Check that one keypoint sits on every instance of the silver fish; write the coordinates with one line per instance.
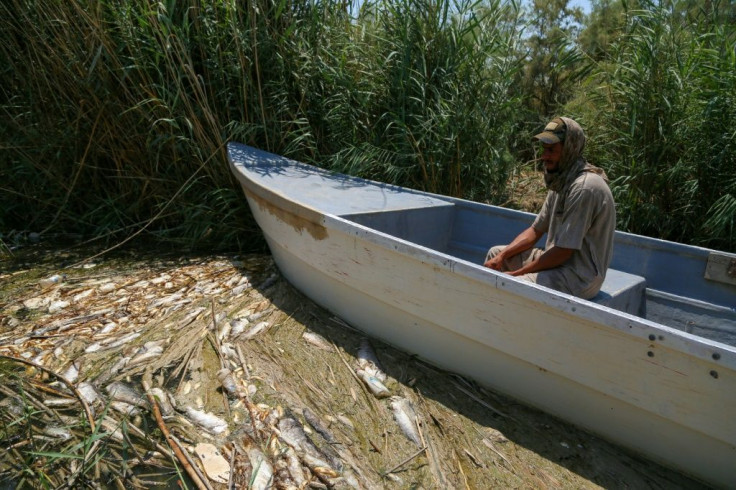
(208, 421)
(228, 381)
(60, 402)
(262, 476)
(223, 332)
(295, 468)
(314, 421)
(89, 392)
(258, 328)
(406, 418)
(125, 408)
(165, 402)
(255, 316)
(374, 384)
(121, 392)
(58, 433)
(292, 433)
(237, 326)
(368, 361)
(150, 350)
(317, 340)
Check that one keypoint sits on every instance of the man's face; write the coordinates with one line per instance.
(551, 155)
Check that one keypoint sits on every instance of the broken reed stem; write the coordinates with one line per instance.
(460, 467)
(192, 471)
(246, 395)
(484, 403)
(405, 461)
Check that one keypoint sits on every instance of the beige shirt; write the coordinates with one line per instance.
(586, 225)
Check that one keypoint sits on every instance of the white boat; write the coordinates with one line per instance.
(649, 363)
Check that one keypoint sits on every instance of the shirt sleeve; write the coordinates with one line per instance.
(541, 223)
(577, 218)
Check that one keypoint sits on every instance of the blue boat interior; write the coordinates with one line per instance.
(661, 281)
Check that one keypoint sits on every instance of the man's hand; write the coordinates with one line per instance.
(524, 241)
(495, 263)
(554, 257)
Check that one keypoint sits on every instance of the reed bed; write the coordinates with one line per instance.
(664, 123)
(116, 113)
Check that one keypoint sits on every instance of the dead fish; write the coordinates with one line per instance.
(208, 421)
(72, 372)
(107, 328)
(58, 433)
(191, 316)
(314, 421)
(229, 352)
(79, 297)
(149, 350)
(57, 306)
(113, 428)
(121, 392)
(262, 476)
(88, 392)
(237, 326)
(111, 343)
(240, 289)
(107, 288)
(345, 421)
(60, 402)
(160, 279)
(295, 468)
(223, 332)
(41, 358)
(374, 384)
(125, 408)
(257, 316)
(228, 381)
(167, 300)
(292, 433)
(368, 361)
(406, 418)
(165, 402)
(122, 362)
(257, 329)
(317, 340)
(37, 303)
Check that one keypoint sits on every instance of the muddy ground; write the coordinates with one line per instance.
(253, 385)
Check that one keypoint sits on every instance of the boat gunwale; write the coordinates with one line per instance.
(705, 349)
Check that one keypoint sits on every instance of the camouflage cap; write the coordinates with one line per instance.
(554, 132)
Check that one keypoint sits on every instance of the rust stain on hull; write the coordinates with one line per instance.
(308, 220)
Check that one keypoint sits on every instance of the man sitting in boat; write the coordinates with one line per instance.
(578, 216)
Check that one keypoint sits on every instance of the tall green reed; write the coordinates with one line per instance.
(663, 118)
(444, 107)
(118, 111)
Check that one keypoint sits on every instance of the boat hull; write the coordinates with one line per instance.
(600, 370)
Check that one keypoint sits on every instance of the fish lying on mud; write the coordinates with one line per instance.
(206, 420)
(368, 361)
(406, 417)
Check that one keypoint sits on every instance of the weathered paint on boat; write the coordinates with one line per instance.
(404, 266)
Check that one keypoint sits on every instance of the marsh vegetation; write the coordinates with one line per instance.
(115, 113)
